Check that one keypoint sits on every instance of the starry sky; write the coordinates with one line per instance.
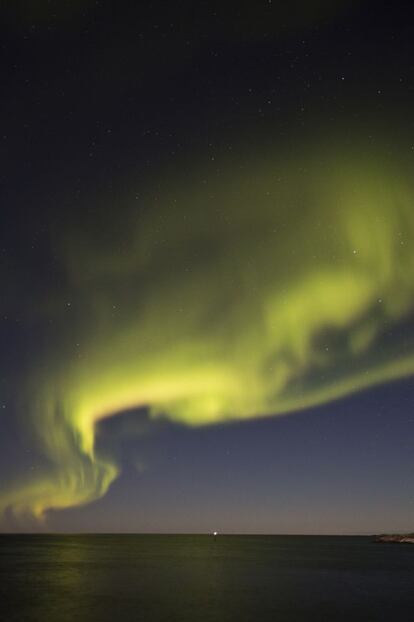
(207, 266)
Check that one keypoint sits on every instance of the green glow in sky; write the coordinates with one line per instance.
(256, 291)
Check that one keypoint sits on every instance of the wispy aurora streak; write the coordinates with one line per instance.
(266, 290)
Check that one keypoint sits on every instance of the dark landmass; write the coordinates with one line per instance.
(395, 538)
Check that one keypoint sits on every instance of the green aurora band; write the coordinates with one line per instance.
(260, 290)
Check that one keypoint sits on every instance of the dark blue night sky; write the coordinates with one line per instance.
(345, 467)
(206, 264)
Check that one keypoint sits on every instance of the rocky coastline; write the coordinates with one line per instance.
(407, 538)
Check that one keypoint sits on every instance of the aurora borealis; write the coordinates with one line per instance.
(219, 286)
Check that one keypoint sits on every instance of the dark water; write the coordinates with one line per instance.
(199, 578)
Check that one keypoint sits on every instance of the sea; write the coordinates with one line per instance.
(200, 578)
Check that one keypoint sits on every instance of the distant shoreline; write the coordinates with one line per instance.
(395, 538)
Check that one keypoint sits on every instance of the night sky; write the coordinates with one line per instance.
(207, 266)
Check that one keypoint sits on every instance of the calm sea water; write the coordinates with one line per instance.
(201, 578)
